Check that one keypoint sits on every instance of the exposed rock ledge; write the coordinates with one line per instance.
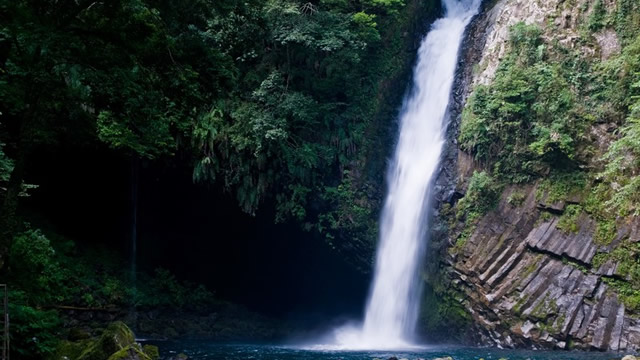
(530, 284)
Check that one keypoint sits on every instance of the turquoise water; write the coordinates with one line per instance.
(203, 350)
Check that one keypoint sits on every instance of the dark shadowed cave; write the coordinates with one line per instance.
(196, 232)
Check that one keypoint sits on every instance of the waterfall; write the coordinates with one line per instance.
(393, 304)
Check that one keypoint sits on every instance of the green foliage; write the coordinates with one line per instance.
(535, 119)
(629, 295)
(151, 351)
(33, 330)
(33, 262)
(621, 171)
(464, 235)
(627, 257)
(119, 78)
(70, 349)
(605, 232)
(351, 215)
(116, 337)
(164, 290)
(627, 19)
(442, 313)
(569, 220)
(270, 100)
(48, 270)
(597, 17)
(516, 198)
(302, 113)
(579, 266)
(292, 124)
(616, 193)
(482, 196)
(367, 26)
(560, 186)
(529, 119)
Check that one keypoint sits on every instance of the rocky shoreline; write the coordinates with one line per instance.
(116, 342)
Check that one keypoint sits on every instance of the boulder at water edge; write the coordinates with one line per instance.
(115, 337)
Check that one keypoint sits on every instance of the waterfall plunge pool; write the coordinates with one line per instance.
(203, 350)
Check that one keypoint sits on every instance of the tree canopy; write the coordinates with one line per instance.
(271, 100)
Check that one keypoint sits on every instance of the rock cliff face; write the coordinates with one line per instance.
(530, 284)
(526, 280)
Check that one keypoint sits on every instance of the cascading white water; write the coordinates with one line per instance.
(393, 303)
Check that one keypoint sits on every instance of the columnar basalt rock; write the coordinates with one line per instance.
(531, 284)
(527, 281)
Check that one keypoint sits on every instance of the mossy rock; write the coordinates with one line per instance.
(76, 334)
(131, 352)
(116, 336)
(151, 351)
(70, 349)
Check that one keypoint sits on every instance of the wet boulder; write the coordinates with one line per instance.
(116, 337)
(131, 352)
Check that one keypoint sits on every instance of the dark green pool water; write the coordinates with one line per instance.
(203, 350)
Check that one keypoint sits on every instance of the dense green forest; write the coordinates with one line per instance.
(276, 102)
(288, 117)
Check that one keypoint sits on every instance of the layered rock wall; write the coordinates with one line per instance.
(526, 281)
(531, 284)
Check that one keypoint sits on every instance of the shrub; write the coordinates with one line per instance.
(482, 196)
(529, 119)
(33, 331)
(559, 186)
(569, 219)
(516, 198)
(35, 267)
(597, 17)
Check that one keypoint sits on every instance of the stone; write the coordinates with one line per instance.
(151, 351)
(71, 350)
(608, 42)
(629, 357)
(116, 336)
(616, 332)
(131, 352)
(524, 280)
(526, 328)
(77, 334)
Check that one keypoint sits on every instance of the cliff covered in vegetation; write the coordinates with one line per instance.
(541, 247)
